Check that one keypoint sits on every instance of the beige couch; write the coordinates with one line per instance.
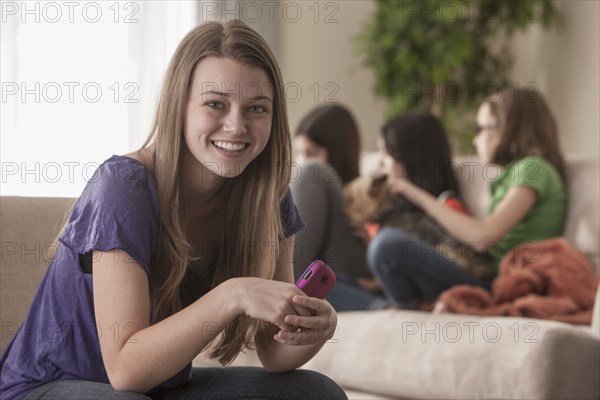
(389, 354)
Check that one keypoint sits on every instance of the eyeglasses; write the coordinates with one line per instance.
(479, 128)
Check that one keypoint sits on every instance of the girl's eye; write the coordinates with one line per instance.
(256, 109)
(215, 104)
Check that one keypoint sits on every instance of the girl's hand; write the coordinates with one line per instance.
(316, 328)
(270, 301)
(397, 185)
(402, 186)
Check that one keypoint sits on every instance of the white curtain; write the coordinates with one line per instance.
(152, 42)
(80, 82)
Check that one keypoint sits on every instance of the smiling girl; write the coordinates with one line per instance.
(183, 244)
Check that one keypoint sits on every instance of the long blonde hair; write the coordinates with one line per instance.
(250, 202)
(527, 128)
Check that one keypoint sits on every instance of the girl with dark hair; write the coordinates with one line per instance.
(329, 133)
(415, 147)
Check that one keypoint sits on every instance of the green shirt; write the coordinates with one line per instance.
(547, 216)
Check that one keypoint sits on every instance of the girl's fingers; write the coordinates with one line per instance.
(304, 327)
(297, 338)
(301, 310)
(395, 188)
(318, 328)
(304, 322)
(286, 327)
(310, 302)
(304, 336)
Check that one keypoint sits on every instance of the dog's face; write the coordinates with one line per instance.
(366, 197)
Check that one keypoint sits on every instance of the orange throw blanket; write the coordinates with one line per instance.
(548, 279)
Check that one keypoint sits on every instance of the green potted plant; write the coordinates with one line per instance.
(445, 56)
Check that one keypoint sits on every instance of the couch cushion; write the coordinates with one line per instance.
(596, 316)
(417, 355)
(458, 356)
(29, 227)
(583, 214)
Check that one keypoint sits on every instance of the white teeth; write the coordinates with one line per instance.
(229, 146)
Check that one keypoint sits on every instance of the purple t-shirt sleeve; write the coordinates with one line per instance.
(291, 219)
(118, 209)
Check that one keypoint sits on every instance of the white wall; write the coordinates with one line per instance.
(563, 62)
(322, 52)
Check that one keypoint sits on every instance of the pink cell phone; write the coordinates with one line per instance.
(317, 280)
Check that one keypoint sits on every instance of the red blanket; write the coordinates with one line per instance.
(547, 279)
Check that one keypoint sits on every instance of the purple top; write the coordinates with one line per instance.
(118, 208)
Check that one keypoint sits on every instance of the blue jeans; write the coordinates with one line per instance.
(207, 383)
(347, 295)
(411, 271)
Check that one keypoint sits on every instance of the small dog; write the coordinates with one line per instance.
(368, 200)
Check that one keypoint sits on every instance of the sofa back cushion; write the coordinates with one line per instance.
(29, 227)
(583, 216)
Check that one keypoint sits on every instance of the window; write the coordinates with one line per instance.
(80, 82)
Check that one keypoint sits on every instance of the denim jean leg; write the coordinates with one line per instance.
(386, 263)
(253, 383)
(69, 389)
(346, 295)
(409, 269)
(207, 383)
